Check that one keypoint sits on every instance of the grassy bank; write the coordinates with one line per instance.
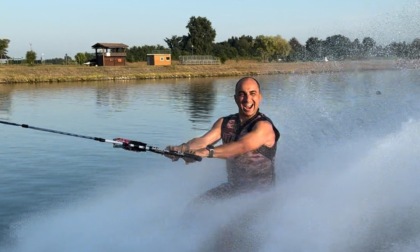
(133, 71)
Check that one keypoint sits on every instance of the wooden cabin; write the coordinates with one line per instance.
(110, 54)
(159, 59)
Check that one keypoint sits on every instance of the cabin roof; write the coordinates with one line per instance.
(109, 45)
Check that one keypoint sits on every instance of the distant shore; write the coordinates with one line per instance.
(137, 71)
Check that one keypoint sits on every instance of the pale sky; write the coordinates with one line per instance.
(53, 28)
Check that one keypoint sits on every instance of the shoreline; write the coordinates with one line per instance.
(10, 74)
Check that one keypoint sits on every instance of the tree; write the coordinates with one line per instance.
(244, 45)
(356, 49)
(415, 49)
(201, 35)
(298, 51)
(368, 45)
(314, 48)
(337, 46)
(263, 46)
(90, 56)
(80, 58)
(30, 57)
(282, 47)
(176, 44)
(67, 59)
(271, 47)
(4, 44)
(400, 50)
(224, 51)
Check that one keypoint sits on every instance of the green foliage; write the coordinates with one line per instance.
(415, 49)
(80, 58)
(224, 51)
(139, 53)
(298, 51)
(267, 48)
(337, 47)
(244, 45)
(356, 49)
(67, 60)
(404, 50)
(4, 44)
(282, 47)
(368, 45)
(314, 48)
(201, 35)
(30, 57)
(176, 44)
(89, 56)
(271, 47)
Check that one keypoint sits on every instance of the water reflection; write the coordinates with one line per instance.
(193, 96)
(5, 101)
(198, 98)
(201, 102)
(111, 97)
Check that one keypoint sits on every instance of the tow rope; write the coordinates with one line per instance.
(117, 142)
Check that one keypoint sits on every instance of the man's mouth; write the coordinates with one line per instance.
(248, 106)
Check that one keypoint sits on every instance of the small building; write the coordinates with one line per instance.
(159, 59)
(110, 54)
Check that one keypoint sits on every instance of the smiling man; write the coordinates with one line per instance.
(249, 142)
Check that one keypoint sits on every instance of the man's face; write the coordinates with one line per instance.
(248, 98)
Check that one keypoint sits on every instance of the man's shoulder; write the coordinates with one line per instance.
(266, 121)
(264, 117)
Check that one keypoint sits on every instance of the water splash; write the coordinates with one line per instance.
(369, 202)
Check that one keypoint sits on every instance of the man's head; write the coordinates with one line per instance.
(247, 97)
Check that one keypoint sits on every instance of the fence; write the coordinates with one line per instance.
(199, 60)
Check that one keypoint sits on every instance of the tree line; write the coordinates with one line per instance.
(201, 36)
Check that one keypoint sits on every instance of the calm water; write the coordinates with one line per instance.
(347, 166)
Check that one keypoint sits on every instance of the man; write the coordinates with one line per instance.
(249, 142)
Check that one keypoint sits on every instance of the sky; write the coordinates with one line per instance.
(54, 28)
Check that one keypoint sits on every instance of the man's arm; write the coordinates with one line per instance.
(261, 134)
(211, 137)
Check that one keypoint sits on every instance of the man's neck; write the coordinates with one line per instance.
(243, 118)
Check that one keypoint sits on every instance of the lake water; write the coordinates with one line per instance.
(347, 166)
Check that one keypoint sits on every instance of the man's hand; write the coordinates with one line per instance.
(171, 148)
(187, 159)
(181, 149)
